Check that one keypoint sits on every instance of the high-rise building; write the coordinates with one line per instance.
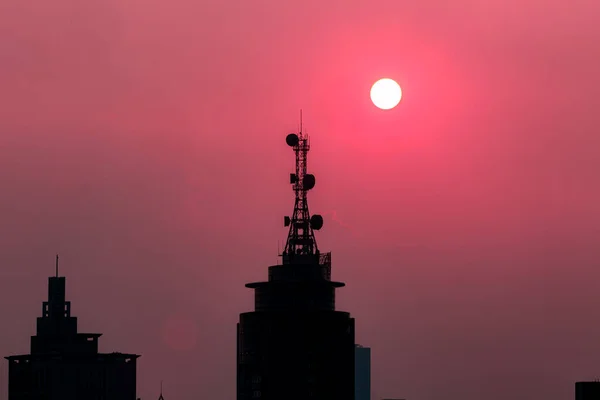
(362, 374)
(587, 390)
(295, 345)
(66, 365)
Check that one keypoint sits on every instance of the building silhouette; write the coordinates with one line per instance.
(295, 345)
(587, 390)
(362, 374)
(64, 364)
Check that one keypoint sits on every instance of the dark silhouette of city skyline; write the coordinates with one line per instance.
(295, 345)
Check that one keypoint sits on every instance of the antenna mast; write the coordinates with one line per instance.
(301, 245)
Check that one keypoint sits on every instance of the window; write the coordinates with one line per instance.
(256, 394)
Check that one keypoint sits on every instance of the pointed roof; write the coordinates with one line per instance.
(161, 396)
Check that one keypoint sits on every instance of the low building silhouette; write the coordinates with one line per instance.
(362, 374)
(66, 365)
(587, 390)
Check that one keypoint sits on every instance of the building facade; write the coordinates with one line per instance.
(362, 374)
(66, 365)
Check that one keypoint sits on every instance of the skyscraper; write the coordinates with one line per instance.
(362, 376)
(65, 364)
(295, 345)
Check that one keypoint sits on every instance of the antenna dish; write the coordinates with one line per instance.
(292, 140)
(309, 181)
(286, 221)
(316, 222)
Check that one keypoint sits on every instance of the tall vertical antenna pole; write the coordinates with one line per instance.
(57, 265)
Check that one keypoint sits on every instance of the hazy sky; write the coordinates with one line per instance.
(145, 142)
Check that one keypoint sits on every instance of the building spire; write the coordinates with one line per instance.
(161, 396)
(57, 265)
(301, 245)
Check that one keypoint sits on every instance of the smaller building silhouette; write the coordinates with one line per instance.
(587, 390)
(66, 365)
(362, 375)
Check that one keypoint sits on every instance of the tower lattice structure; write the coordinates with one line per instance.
(301, 245)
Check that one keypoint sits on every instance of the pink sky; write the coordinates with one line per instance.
(144, 142)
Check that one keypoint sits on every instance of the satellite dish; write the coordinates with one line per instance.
(309, 181)
(292, 140)
(316, 222)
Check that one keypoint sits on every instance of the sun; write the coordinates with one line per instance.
(386, 94)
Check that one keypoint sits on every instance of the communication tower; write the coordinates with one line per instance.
(301, 245)
(295, 345)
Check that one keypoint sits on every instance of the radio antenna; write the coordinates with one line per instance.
(301, 243)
